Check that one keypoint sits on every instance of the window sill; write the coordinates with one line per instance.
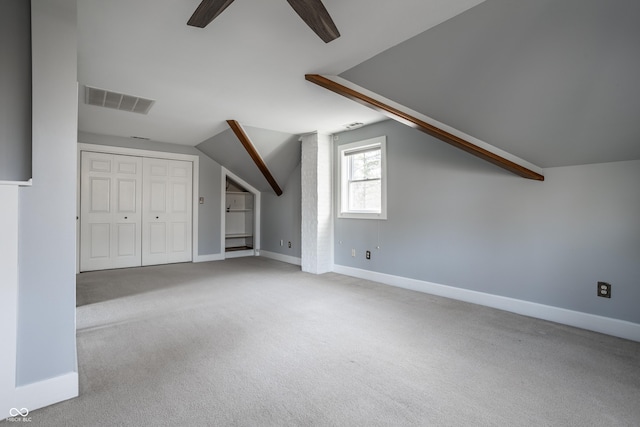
(361, 215)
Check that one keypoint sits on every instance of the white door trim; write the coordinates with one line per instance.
(143, 153)
(256, 211)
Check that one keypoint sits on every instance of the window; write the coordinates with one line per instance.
(363, 186)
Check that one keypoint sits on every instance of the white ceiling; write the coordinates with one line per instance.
(248, 64)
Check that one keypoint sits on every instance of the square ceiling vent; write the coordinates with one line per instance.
(117, 101)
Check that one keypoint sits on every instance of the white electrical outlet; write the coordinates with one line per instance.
(281, 242)
(353, 252)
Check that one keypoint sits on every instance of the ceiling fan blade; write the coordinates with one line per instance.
(207, 11)
(317, 18)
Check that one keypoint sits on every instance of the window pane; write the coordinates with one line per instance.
(365, 165)
(365, 196)
(362, 190)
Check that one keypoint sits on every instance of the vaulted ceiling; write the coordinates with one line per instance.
(552, 81)
(279, 150)
(247, 65)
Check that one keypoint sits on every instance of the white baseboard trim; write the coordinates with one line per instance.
(43, 393)
(207, 258)
(280, 257)
(240, 254)
(592, 322)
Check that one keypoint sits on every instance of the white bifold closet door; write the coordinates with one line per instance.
(167, 206)
(134, 211)
(110, 209)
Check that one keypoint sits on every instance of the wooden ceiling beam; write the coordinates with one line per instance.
(401, 115)
(257, 158)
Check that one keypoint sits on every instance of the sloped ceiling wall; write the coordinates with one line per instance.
(553, 82)
(280, 151)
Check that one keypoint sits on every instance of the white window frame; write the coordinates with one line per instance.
(343, 184)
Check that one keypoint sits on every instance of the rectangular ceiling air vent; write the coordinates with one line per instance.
(118, 101)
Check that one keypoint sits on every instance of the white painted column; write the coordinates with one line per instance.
(317, 206)
(8, 294)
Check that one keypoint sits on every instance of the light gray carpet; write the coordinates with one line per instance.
(255, 342)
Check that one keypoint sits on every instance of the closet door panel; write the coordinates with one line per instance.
(134, 211)
(110, 211)
(100, 195)
(180, 230)
(127, 240)
(127, 196)
(127, 187)
(167, 199)
(100, 241)
(179, 237)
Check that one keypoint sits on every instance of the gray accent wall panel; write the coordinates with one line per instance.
(209, 232)
(281, 218)
(15, 90)
(458, 221)
(47, 231)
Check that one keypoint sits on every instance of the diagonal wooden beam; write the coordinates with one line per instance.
(257, 158)
(410, 119)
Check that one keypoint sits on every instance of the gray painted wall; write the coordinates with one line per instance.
(47, 242)
(281, 218)
(15, 87)
(459, 221)
(209, 184)
(209, 232)
(553, 82)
